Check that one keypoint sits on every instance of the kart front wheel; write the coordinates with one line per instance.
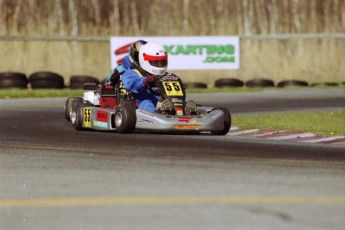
(69, 106)
(77, 115)
(227, 122)
(125, 119)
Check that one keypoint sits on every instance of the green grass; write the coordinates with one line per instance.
(24, 93)
(327, 123)
(20, 93)
(225, 90)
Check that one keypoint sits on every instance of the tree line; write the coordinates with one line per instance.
(170, 18)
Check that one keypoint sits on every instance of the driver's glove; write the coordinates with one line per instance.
(150, 80)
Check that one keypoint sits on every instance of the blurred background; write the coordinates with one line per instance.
(289, 39)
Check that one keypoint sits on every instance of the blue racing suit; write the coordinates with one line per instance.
(114, 75)
(133, 81)
(126, 62)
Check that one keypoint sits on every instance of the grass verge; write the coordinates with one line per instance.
(323, 123)
(25, 93)
(22, 93)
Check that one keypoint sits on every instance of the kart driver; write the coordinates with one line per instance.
(151, 62)
(131, 60)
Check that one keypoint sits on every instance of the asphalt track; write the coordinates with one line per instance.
(53, 177)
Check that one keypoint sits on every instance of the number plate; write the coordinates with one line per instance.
(87, 117)
(173, 88)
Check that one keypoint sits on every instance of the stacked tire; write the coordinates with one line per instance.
(195, 85)
(78, 81)
(46, 80)
(228, 82)
(259, 82)
(13, 80)
(286, 83)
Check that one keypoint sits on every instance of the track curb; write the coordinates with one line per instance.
(284, 135)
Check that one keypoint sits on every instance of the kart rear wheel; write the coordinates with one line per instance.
(125, 118)
(68, 106)
(227, 122)
(77, 115)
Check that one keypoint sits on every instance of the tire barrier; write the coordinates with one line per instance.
(46, 80)
(334, 84)
(78, 81)
(194, 85)
(228, 82)
(260, 82)
(51, 80)
(286, 83)
(10, 80)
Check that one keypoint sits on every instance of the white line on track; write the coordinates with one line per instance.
(323, 139)
(242, 132)
(234, 128)
(268, 133)
(287, 137)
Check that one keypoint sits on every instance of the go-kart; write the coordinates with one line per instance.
(114, 108)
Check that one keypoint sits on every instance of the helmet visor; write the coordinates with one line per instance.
(157, 61)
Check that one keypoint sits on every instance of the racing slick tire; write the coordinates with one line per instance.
(13, 80)
(125, 118)
(69, 106)
(227, 122)
(77, 115)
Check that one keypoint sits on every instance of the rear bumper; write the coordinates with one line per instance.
(212, 121)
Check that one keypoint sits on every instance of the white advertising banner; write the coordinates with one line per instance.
(187, 53)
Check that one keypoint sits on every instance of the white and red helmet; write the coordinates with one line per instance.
(153, 58)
